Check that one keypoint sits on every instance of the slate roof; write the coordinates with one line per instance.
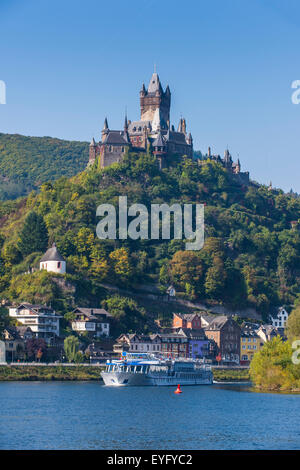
(193, 333)
(159, 141)
(187, 316)
(52, 254)
(154, 84)
(115, 138)
(92, 313)
(175, 137)
(138, 126)
(217, 322)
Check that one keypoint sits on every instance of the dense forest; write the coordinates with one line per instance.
(251, 255)
(26, 162)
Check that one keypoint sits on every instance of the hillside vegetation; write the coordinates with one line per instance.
(251, 255)
(26, 162)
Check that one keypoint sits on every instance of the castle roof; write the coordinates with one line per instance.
(175, 137)
(115, 138)
(154, 84)
(159, 141)
(136, 127)
(52, 254)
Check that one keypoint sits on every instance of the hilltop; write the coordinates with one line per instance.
(27, 162)
(250, 257)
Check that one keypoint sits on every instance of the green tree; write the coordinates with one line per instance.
(71, 347)
(129, 317)
(272, 367)
(215, 279)
(34, 234)
(293, 324)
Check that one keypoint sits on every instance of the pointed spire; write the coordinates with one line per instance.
(105, 125)
(143, 90)
(154, 84)
(125, 123)
(93, 143)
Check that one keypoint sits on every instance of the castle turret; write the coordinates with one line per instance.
(92, 151)
(160, 149)
(105, 130)
(182, 126)
(189, 139)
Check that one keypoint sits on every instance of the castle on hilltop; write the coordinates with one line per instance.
(155, 133)
(232, 167)
(152, 132)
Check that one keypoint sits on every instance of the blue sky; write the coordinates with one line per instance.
(229, 63)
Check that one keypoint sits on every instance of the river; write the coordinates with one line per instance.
(88, 415)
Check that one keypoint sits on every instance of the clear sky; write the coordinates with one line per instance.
(229, 63)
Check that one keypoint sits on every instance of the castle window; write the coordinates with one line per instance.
(123, 149)
(110, 148)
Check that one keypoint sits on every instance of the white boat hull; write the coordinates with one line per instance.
(118, 379)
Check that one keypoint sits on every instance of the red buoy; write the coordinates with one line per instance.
(178, 390)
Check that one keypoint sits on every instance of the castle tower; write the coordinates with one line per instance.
(92, 151)
(105, 130)
(155, 98)
(160, 149)
(52, 261)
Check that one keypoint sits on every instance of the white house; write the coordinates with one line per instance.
(279, 317)
(92, 320)
(140, 343)
(43, 320)
(53, 261)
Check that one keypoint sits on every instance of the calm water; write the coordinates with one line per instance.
(85, 415)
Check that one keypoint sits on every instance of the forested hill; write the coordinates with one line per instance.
(251, 255)
(26, 162)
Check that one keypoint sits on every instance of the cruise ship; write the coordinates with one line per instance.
(145, 369)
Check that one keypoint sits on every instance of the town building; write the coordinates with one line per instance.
(42, 320)
(138, 343)
(206, 319)
(53, 261)
(251, 342)
(279, 317)
(269, 332)
(14, 344)
(199, 347)
(152, 131)
(95, 321)
(226, 333)
(187, 320)
(174, 345)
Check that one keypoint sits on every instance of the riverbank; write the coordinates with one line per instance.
(231, 375)
(34, 372)
(86, 372)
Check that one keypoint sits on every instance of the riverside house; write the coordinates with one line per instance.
(138, 343)
(227, 335)
(42, 320)
(250, 344)
(95, 321)
(198, 342)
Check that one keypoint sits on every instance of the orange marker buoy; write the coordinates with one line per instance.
(178, 390)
